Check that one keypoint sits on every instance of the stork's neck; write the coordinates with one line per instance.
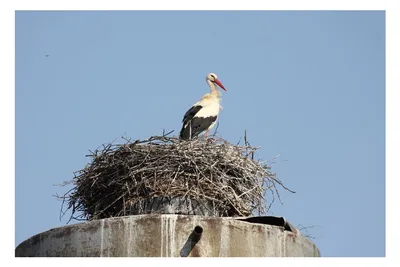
(213, 89)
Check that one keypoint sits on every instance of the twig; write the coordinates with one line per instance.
(121, 175)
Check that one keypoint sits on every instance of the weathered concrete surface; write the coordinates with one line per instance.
(168, 236)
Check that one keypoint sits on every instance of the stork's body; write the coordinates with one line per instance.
(203, 115)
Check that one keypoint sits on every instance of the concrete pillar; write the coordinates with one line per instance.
(168, 236)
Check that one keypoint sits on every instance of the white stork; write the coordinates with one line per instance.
(203, 115)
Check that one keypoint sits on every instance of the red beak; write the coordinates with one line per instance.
(220, 84)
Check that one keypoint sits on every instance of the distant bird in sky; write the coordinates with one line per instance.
(203, 115)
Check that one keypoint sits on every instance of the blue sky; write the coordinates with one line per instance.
(309, 86)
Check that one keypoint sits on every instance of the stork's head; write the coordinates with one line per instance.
(212, 77)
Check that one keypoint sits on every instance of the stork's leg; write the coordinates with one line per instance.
(206, 134)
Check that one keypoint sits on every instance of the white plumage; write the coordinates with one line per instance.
(203, 115)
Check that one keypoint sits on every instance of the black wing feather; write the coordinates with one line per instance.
(191, 113)
(196, 126)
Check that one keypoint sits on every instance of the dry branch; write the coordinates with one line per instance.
(122, 176)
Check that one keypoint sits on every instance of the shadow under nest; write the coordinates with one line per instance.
(213, 177)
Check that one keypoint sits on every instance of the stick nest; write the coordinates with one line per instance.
(213, 171)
